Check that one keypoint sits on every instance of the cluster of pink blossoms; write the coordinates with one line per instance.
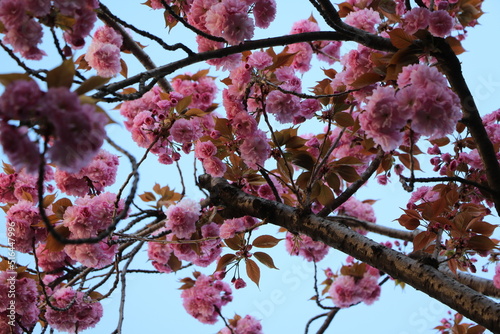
(25, 310)
(182, 218)
(357, 209)
(84, 313)
(205, 152)
(103, 54)
(152, 121)
(229, 18)
(246, 325)
(25, 218)
(348, 290)
(75, 130)
(306, 247)
(496, 278)
(423, 98)
(86, 219)
(100, 173)
(208, 250)
(14, 185)
(232, 226)
(24, 32)
(439, 22)
(205, 298)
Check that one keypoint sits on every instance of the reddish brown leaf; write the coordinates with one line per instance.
(481, 243)
(52, 244)
(422, 239)
(265, 241)
(400, 39)
(235, 243)
(265, 258)
(224, 261)
(148, 197)
(253, 271)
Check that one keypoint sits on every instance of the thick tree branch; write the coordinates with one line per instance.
(214, 54)
(342, 198)
(450, 64)
(429, 280)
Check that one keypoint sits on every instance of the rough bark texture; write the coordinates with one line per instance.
(421, 276)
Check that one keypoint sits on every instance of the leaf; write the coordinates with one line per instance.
(333, 180)
(265, 259)
(174, 263)
(195, 112)
(303, 159)
(235, 243)
(253, 271)
(183, 104)
(421, 240)
(61, 76)
(410, 223)
(7, 79)
(405, 160)
(48, 200)
(325, 196)
(53, 245)
(200, 74)
(148, 197)
(124, 70)
(348, 173)
(343, 119)
(224, 261)
(400, 38)
(481, 243)
(265, 241)
(303, 180)
(455, 45)
(91, 84)
(483, 228)
(366, 80)
(60, 206)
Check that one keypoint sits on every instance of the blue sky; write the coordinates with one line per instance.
(282, 301)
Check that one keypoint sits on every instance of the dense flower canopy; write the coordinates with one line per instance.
(268, 149)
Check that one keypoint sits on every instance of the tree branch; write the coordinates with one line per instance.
(429, 280)
(450, 64)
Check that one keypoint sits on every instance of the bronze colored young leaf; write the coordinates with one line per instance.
(253, 271)
(53, 245)
(91, 84)
(265, 241)
(400, 38)
(224, 261)
(61, 76)
(265, 258)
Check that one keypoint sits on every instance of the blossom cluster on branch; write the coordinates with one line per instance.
(287, 154)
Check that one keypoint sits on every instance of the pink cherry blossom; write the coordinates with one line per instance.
(283, 106)
(364, 19)
(104, 58)
(255, 150)
(417, 18)
(24, 218)
(96, 255)
(382, 119)
(83, 313)
(440, 23)
(50, 261)
(264, 12)
(182, 217)
(304, 246)
(26, 310)
(100, 173)
(214, 166)
(206, 298)
(246, 325)
(496, 278)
